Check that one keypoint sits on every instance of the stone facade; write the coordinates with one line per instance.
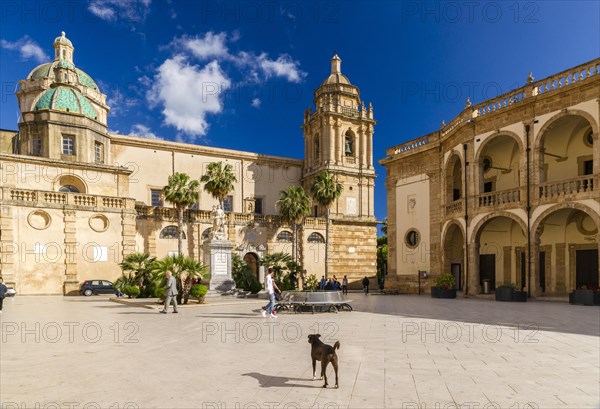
(507, 191)
(75, 198)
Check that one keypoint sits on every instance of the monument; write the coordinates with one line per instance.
(217, 254)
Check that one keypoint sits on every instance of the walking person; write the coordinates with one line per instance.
(170, 293)
(365, 283)
(345, 285)
(271, 286)
(3, 290)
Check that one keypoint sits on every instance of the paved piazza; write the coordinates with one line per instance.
(396, 352)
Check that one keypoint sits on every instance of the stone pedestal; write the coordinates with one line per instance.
(217, 256)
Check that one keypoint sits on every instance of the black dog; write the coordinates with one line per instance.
(324, 353)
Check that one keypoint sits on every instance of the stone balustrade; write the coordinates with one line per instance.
(500, 197)
(552, 191)
(38, 197)
(454, 207)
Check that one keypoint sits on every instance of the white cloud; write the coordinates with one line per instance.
(188, 93)
(28, 49)
(210, 46)
(113, 10)
(256, 103)
(283, 66)
(143, 131)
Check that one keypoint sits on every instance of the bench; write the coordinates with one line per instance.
(331, 301)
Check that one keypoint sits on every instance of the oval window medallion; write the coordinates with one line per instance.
(39, 219)
(99, 223)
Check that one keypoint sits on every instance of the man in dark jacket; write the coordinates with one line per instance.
(365, 283)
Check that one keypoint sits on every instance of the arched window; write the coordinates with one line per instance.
(170, 232)
(349, 144)
(206, 233)
(284, 237)
(68, 188)
(316, 238)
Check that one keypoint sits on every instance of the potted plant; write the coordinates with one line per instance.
(198, 291)
(505, 292)
(582, 296)
(520, 296)
(444, 286)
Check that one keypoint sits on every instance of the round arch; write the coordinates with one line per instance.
(538, 221)
(252, 260)
(490, 138)
(477, 229)
(64, 181)
(552, 121)
(453, 222)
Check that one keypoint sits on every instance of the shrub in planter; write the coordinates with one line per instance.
(198, 291)
(159, 292)
(505, 292)
(520, 296)
(444, 286)
(582, 297)
(132, 291)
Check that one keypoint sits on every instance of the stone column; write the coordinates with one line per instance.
(339, 146)
(369, 147)
(507, 257)
(473, 260)
(71, 283)
(362, 161)
(128, 225)
(8, 246)
(559, 268)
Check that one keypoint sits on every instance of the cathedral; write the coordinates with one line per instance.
(76, 199)
(505, 193)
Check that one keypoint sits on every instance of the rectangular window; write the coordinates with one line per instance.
(588, 167)
(487, 187)
(36, 145)
(156, 197)
(228, 203)
(99, 152)
(68, 145)
(455, 194)
(258, 205)
(315, 212)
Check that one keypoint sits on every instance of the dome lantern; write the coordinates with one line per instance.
(63, 48)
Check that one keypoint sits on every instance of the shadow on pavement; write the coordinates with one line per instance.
(269, 381)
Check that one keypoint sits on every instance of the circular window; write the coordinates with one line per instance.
(39, 219)
(589, 138)
(412, 238)
(487, 163)
(99, 223)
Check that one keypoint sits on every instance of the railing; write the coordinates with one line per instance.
(416, 143)
(66, 198)
(454, 207)
(565, 188)
(567, 77)
(499, 198)
(315, 221)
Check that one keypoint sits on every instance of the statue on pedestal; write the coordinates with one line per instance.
(218, 229)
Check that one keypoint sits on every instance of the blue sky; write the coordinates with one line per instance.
(417, 62)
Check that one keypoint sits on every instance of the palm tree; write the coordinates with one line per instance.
(184, 269)
(325, 190)
(140, 265)
(293, 205)
(218, 180)
(181, 192)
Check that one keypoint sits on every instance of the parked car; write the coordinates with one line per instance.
(96, 287)
(11, 292)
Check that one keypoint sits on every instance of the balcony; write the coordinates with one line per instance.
(455, 207)
(54, 199)
(502, 198)
(566, 189)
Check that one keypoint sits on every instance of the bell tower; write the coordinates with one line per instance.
(338, 137)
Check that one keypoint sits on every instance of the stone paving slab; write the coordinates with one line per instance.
(396, 352)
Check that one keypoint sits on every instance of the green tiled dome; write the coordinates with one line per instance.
(47, 71)
(65, 99)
